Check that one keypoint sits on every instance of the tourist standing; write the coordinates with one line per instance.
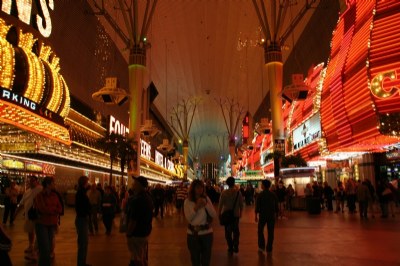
(29, 225)
(363, 196)
(231, 199)
(139, 222)
(181, 194)
(108, 208)
(49, 208)
(10, 203)
(94, 196)
(198, 210)
(265, 212)
(82, 208)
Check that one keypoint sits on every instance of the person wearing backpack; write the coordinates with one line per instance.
(231, 199)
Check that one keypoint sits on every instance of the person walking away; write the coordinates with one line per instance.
(29, 225)
(373, 198)
(5, 247)
(351, 195)
(340, 197)
(363, 196)
(198, 209)
(108, 209)
(281, 193)
(139, 220)
(181, 194)
(94, 196)
(289, 196)
(10, 203)
(82, 209)
(265, 212)
(328, 195)
(49, 208)
(231, 199)
(158, 197)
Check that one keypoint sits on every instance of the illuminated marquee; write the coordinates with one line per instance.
(23, 11)
(307, 132)
(117, 127)
(360, 99)
(386, 84)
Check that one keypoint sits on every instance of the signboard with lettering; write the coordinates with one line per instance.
(145, 149)
(115, 126)
(21, 101)
(307, 132)
(32, 12)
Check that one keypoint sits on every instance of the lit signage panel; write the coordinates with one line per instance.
(23, 102)
(117, 127)
(159, 158)
(145, 149)
(36, 12)
(307, 132)
(12, 164)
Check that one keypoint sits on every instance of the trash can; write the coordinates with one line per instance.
(313, 205)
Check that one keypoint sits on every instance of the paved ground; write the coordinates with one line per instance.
(326, 239)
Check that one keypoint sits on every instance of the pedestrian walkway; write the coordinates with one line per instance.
(302, 239)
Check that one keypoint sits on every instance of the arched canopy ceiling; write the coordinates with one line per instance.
(207, 49)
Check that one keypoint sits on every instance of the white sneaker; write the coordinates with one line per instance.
(261, 250)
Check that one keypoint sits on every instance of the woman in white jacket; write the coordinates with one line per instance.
(199, 212)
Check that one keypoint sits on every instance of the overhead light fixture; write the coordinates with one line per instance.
(110, 93)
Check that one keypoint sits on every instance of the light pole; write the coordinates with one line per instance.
(271, 26)
(136, 43)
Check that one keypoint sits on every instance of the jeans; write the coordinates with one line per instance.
(44, 236)
(363, 206)
(82, 229)
(200, 249)
(93, 219)
(108, 222)
(139, 248)
(9, 209)
(270, 226)
(232, 234)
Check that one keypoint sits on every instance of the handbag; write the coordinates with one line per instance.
(33, 213)
(228, 216)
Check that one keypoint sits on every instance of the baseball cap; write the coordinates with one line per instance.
(141, 180)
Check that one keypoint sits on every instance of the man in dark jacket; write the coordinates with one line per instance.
(82, 208)
(265, 212)
(140, 214)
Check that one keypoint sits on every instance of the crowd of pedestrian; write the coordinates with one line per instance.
(43, 208)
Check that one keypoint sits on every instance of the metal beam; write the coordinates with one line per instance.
(267, 34)
(296, 20)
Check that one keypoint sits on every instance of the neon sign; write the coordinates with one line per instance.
(18, 99)
(145, 149)
(23, 10)
(117, 127)
(385, 85)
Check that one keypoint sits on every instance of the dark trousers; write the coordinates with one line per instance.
(108, 221)
(44, 237)
(9, 209)
(200, 249)
(351, 202)
(82, 229)
(270, 227)
(329, 204)
(158, 207)
(232, 235)
(363, 206)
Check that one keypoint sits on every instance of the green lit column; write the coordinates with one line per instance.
(137, 70)
(185, 150)
(274, 70)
